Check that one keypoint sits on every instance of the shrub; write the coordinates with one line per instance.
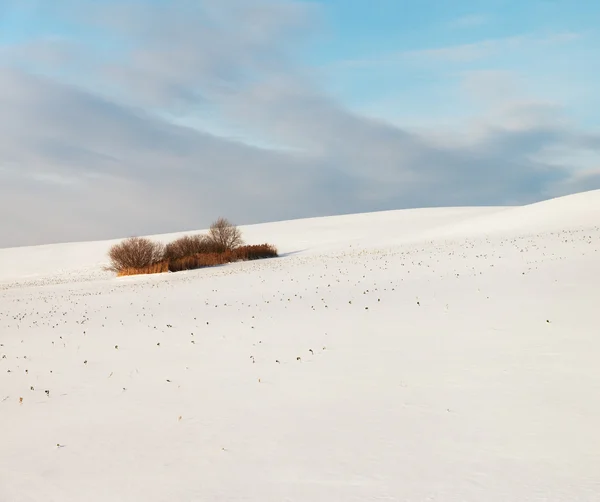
(188, 245)
(135, 253)
(224, 235)
(210, 246)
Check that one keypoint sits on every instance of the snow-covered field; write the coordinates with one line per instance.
(420, 355)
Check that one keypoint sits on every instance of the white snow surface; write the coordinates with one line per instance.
(446, 354)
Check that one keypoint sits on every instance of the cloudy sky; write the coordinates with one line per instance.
(125, 117)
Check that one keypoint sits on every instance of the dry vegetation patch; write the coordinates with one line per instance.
(223, 244)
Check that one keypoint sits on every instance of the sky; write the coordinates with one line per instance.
(124, 118)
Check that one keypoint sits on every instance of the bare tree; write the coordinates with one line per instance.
(135, 252)
(225, 235)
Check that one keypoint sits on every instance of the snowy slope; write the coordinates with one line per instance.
(578, 211)
(305, 236)
(439, 354)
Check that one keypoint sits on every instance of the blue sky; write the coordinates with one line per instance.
(321, 107)
(555, 57)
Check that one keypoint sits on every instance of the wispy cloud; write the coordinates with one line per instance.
(468, 52)
(469, 21)
(464, 53)
(487, 48)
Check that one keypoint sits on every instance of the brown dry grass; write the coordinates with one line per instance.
(256, 252)
(201, 260)
(156, 268)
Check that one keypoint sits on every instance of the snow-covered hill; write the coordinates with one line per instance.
(434, 354)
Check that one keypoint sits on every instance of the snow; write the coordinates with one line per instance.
(443, 354)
